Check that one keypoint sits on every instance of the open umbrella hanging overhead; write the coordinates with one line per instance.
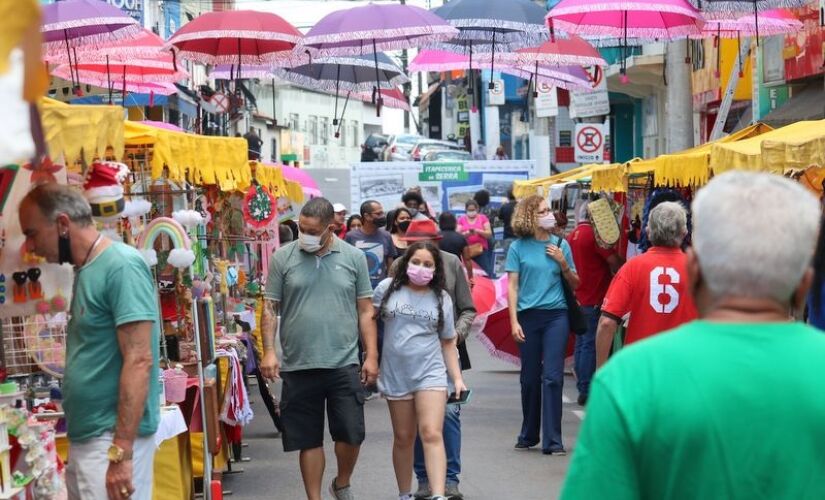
(144, 45)
(735, 9)
(350, 74)
(70, 25)
(237, 37)
(372, 29)
(652, 20)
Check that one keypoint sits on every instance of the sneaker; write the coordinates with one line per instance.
(439, 497)
(524, 446)
(582, 400)
(556, 453)
(423, 492)
(337, 493)
(452, 493)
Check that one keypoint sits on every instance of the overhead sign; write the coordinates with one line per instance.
(547, 102)
(593, 102)
(132, 7)
(589, 142)
(443, 171)
(495, 96)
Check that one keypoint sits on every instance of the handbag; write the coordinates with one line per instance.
(575, 315)
(475, 250)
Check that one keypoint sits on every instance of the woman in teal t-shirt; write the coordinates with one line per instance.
(536, 265)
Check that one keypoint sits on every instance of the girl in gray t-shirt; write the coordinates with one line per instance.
(419, 351)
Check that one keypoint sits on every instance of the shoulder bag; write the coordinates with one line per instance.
(575, 316)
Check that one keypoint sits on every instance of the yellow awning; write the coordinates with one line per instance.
(199, 159)
(609, 178)
(273, 178)
(75, 130)
(523, 189)
(691, 166)
(794, 147)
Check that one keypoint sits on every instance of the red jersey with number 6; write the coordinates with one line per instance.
(653, 289)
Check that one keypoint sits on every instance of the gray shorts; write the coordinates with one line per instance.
(303, 398)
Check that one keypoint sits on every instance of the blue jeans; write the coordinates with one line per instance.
(452, 445)
(487, 262)
(585, 353)
(542, 376)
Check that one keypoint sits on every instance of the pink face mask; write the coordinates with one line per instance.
(420, 275)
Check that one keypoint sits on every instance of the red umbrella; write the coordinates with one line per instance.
(484, 294)
(235, 37)
(497, 338)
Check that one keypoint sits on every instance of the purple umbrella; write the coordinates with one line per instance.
(70, 24)
(375, 28)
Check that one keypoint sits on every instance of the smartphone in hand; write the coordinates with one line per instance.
(463, 400)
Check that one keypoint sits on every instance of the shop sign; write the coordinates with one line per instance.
(443, 171)
(132, 7)
(589, 142)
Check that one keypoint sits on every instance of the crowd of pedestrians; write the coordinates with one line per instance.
(690, 414)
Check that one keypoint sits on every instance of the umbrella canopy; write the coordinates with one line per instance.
(145, 45)
(438, 60)
(308, 184)
(393, 98)
(513, 20)
(497, 337)
(572, 51)
(735, 8)
(75, 23)
(159, 70)
(235, 37)
(375, 28)
(230, 71)
(353, 73)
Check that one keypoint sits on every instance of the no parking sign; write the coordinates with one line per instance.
(589, 142)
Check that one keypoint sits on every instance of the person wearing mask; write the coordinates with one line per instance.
(354, 223)
(374, 240)
(816, 300)
(537, 263)
(419, 352)
(500, 154)
(479, 152)
(112, 347)
(414, 203)
(458, 289)
(424, 207)
(476, 228)
(455, 243)
(398, 221)
(729, 406)
(596, 266)
(320, 366)
(340, 220)
(653, 287)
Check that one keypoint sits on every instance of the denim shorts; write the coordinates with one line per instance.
(303, 398)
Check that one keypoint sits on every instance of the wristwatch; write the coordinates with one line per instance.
(116, 454)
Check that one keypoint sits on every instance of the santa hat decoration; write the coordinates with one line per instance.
(103, 188)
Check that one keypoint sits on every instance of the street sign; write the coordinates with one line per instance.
(589, 142)
(593, 102)
(221, 102)
(495, 96)
(547, 102)
(443, 171)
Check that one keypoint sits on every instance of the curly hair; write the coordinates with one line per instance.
(401, 279)
(525, 218)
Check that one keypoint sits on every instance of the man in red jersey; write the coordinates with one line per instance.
(653, 287)
(596, 267)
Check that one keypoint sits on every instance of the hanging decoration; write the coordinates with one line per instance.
(258, 207)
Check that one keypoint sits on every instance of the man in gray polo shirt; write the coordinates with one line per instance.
(321, 287)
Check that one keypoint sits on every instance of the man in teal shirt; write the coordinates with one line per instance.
(112, 348)
(730, 406)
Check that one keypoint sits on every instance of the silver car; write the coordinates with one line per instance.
(447, 155)
(399, 147)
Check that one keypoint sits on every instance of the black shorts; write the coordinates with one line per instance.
(304, 395)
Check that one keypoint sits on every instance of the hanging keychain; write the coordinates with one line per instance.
(19, 291)
(35, 288)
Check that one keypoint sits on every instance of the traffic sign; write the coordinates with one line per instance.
(589, 142)
(221, 102)
(547, 102)
(495, 95)
(593, 102)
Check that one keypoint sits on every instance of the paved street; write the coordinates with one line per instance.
(492, 469)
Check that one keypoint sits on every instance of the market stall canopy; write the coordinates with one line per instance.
(272, 177)
(198, 159)
(82, 131)
(522, 189)
(795, 147)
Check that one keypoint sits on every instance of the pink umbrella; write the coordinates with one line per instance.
(660, 19)
(146, 45)
(393, 98)
(439, 61)
(163, 125)
(230, 71)
(571, 51)
(310, 187)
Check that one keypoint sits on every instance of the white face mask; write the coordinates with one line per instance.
(472, 213)
(310, 243)
(547, 222)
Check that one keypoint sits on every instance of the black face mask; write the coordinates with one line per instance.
(380, 221)
(403, 226)
(64, 250)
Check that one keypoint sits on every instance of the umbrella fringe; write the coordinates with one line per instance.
(644, 6)
(92, 42)
(491, 24)
(87, 55)
(434, 33)
(612, 33)
(271, 36)
(124, 21)
(100, 80)
(495, 352)
(329, 85)
(355, 61)
(247, 60)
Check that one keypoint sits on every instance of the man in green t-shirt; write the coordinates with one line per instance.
(732, 405)
(110, 386)
(321, 288)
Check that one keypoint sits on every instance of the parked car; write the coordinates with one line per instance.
(448, 155)
(424, 146)
(373, 147)
(400, 146)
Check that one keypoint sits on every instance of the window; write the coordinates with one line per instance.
(275, 153)
(324, 131)
(294, 122)
(354, 133)
(312, 130)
